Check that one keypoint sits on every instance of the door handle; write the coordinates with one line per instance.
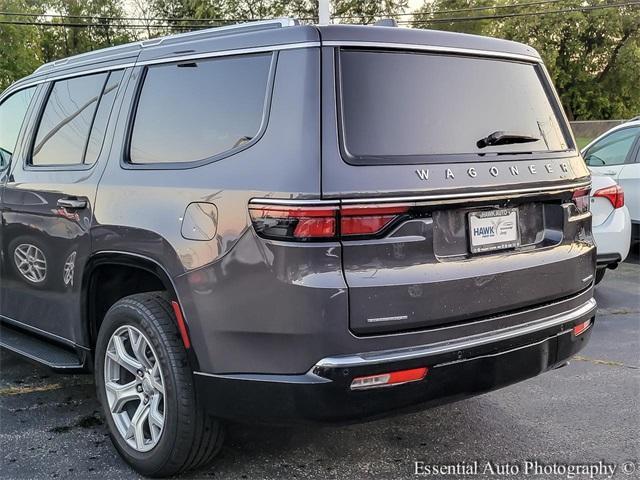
(611, 173)
(72, 203)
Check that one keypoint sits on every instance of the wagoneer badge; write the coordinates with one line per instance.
(513, 170)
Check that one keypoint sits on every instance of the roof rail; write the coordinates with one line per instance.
(227, 29)
(224, 30)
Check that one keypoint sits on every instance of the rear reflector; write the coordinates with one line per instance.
(581, 328)
(614, 194)
(388, 379)
(308, 223)
(182, 327)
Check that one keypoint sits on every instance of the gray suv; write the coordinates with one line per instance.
(275, 222)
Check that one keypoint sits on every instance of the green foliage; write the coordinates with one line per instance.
(593, 56)
(63, 42)
(19, 45)
(367, 11)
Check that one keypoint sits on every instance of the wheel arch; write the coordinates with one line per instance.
(147, 270)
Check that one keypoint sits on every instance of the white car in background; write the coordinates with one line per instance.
(616, 154)
(611, 223)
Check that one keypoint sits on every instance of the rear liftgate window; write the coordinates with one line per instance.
(200, 110)
(406, 107)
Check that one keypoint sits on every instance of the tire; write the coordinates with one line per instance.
(189, 437)
(600, 274)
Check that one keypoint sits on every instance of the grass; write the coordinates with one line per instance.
(583, 141)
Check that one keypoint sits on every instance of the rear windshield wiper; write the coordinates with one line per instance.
(505, 138)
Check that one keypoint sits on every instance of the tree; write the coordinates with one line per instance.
(101, 29)
(367, 11)
(593, 56)
(19, 44)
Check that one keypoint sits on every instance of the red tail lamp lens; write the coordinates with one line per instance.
(368, 220)
(388, 379)
(294, 223)
(321, 223)
(581, 200)
(614, 194)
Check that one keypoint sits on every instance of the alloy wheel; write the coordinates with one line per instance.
(134, 387)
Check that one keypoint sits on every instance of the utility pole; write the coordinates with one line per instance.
(323, 12)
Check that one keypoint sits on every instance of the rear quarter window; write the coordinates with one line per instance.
(413, 107)
(200, 110)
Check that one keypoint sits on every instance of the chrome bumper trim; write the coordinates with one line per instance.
(374, 358)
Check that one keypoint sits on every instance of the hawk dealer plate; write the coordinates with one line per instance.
(491, 230)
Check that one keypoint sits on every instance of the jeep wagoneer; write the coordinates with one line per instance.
(278, 222)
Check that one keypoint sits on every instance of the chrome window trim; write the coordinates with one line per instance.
(82, 73)
(448, 346)
(228, 53)
(221, 53)
(435, 49)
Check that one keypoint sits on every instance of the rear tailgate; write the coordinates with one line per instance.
(406, 135)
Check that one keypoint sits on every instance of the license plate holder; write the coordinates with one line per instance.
(491, 230)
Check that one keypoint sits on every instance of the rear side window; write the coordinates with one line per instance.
(197, 110)
(66, 121)
(74, 120)
(408, 106)
(12, 112)
(612, 149)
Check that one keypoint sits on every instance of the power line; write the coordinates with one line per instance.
(100, 25)
(219, 19)
(521, 14)
(158, 19)
(468, 9)
(207, 25)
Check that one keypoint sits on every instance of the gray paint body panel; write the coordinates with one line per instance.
(258, 306)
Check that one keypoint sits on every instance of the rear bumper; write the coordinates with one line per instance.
(458, 369)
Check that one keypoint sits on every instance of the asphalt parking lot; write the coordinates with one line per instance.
(50, 425)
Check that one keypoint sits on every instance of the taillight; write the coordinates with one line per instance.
(581, 200)
(614, 194)
(368, 220)
(294, 223)
(309, 223)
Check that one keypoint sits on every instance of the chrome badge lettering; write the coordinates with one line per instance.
(423, 174)
(494, 171)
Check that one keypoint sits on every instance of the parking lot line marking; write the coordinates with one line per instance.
(24, 389)
(610, 363)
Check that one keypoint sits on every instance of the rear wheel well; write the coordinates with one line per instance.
(109, 282)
